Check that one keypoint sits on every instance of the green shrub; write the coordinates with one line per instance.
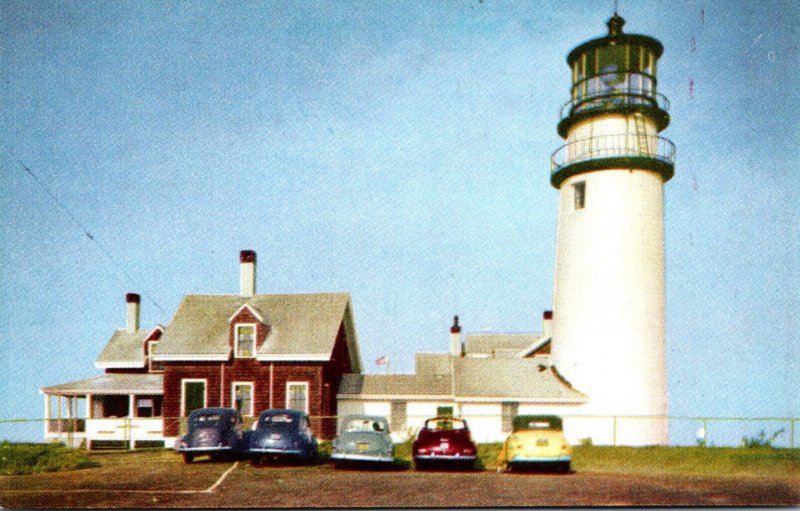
(761, 439)
(30, 458)
(324, 450)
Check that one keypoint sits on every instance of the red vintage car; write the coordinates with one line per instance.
(444, 442)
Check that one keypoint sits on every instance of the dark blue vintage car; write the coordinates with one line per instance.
(281, 435)
(216, 432)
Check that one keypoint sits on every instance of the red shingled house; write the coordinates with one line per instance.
(249, 351)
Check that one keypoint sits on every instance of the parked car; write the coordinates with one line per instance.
(444, 441)
(537, 441)
(363, 438)
(281, 434)
(216, 432)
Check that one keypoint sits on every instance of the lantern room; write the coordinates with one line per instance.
(618, 73)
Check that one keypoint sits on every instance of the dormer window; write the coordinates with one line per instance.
(245, 341)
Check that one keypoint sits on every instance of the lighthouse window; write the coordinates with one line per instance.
(579, 190)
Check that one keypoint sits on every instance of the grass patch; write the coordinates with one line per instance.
(688, 460)
(30, 458)
(657, 460)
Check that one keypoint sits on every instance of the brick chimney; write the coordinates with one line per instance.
(547, 324)
(132, 320)
(247, 280)
(456, 346)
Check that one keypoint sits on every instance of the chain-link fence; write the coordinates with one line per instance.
(139, 432)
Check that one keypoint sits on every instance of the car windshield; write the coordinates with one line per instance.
(362, 425)
(445, 424)
(278, 420)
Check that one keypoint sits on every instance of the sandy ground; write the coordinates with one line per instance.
(161, 480)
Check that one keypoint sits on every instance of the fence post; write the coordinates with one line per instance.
(615, 431)
(705, 432)
(791, 434)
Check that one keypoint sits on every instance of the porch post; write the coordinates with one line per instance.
(88, 416)
(131, 415)
(59, 418)
(70, 421)
(46, 414)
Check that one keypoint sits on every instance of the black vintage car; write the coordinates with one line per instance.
(281, 435)
(216, 432)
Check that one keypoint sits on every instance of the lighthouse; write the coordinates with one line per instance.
(608, 297)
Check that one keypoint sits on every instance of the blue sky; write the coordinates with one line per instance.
(398, 151)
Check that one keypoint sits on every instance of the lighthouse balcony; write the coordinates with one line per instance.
(625, 151)
(620, 93)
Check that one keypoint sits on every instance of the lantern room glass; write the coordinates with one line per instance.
(614, 74)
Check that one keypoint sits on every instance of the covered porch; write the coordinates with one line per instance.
(108, 411)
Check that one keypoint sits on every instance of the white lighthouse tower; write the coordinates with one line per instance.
(608, 298)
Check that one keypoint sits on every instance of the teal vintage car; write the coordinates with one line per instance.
(363, 439)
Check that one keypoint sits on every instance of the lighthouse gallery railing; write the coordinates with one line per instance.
(625, 145)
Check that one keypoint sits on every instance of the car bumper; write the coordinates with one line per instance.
(268, 450)
(203, 449)
(525, 459)
(362, 457)
(439, 457)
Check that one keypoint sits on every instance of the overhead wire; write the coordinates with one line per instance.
(117, 266)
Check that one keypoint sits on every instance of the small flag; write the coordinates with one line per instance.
(382, 360)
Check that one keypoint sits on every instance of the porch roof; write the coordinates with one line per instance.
(110, 384)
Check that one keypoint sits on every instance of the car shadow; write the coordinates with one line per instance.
(396, 466)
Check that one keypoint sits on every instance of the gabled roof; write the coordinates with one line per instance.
(474, 379)
(396, 385)
(114, 383)
(511, 379)
(302, 327)
(534, 346)
(489, 342)
(125, 350)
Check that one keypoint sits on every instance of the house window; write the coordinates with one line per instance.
(154, 367)
(297, 396)
(243, 398)
(398, 415)
(193, 396)
(510, 410)
(579, 190)
(444, 411)
(149, 406)
(245, 341)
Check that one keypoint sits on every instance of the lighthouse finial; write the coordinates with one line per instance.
(615, 24)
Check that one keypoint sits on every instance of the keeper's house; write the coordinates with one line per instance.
(249, 351)
(486, 379)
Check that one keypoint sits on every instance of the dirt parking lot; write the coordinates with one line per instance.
(159, 479)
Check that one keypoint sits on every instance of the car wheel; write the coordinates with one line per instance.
(565, 467)
(187, 457)
(420, 465)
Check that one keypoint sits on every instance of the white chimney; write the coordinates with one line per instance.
(132, 322)
(456, 348)
(547, 324)
(247, 280)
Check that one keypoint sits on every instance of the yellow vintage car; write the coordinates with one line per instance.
(537, 441)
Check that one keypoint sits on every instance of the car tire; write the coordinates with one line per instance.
(188, 458)
(565, 467)
(421, 465)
